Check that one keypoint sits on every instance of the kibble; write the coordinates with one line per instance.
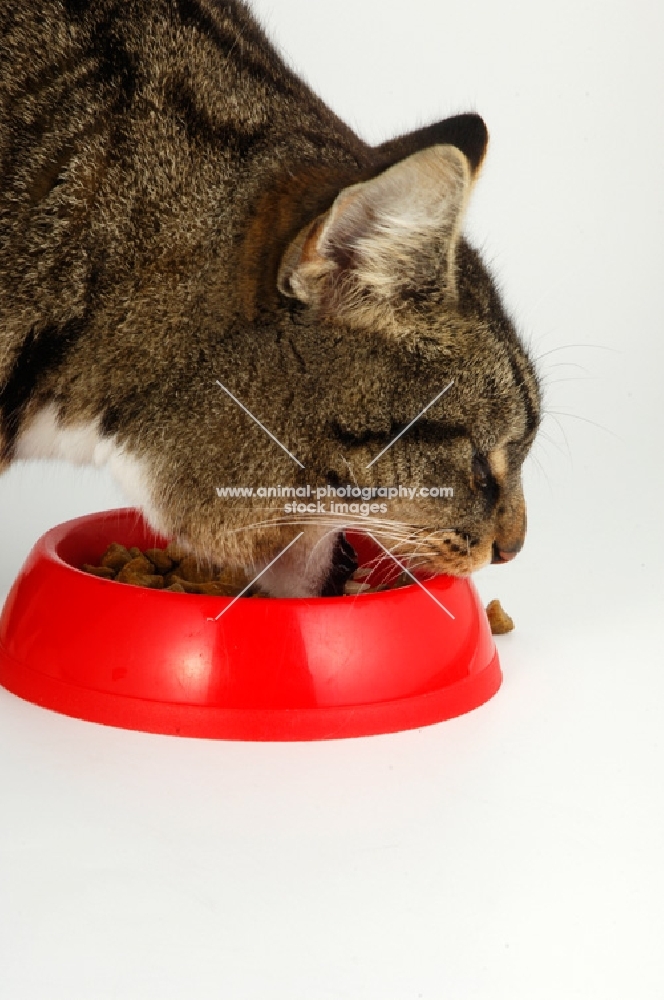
(499, 620)
(105, 572)
(176, 570)
(115, 557)
(354, 587)
(173, 569)
(160, 560)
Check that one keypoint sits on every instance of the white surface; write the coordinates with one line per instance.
(516, 852)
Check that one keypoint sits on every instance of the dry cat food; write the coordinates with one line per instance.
(166, 569)
(176, 570)
(499, 620)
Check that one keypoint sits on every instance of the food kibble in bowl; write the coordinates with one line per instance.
(176, 570)
(170, 569)
(179, 572)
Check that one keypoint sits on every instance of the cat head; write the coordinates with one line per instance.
(421, 380)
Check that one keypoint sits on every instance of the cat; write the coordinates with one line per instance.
(208, 280)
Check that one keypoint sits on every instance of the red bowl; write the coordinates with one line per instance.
(267, 669)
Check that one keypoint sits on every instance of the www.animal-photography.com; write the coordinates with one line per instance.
(329, 652)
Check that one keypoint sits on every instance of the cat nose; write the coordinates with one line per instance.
(510, 529)
(499, 555)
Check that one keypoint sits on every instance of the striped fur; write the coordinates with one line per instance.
(177, 208)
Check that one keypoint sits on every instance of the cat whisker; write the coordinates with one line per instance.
(568, 364)
(342, 520)
(568, 347)
(547, 437)
(574, 378)
(586, 420)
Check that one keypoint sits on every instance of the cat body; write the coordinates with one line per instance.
(207, 279)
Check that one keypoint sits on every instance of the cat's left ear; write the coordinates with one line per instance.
(381, 238)
(467, 132)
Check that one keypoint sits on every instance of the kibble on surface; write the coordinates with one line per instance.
(499, 620)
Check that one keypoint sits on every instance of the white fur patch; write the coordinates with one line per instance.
(302, 570)
(45, 437)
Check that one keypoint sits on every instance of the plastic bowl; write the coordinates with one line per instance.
(267, 669)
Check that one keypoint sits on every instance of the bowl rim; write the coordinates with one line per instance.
(56, 535)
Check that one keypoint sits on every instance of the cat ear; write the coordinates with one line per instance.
(379, 236)
(467, 132)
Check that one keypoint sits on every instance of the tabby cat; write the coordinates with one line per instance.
(208, 280)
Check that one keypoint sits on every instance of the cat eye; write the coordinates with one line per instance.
(484, 478)
(481, 470)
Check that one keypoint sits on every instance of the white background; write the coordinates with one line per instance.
(513, 853)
